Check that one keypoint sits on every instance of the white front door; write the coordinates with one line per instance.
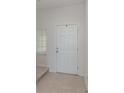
(66, 50)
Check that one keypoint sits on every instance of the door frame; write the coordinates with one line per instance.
(77, 47)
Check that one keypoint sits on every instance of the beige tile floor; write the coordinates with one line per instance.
(60, 83)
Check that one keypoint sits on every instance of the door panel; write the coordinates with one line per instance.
(67, 49)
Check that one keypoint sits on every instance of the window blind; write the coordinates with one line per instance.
(41, 42)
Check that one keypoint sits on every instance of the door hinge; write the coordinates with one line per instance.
(77, 68)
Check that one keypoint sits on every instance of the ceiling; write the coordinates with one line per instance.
(56, 3)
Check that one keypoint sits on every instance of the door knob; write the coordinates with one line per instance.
(57, 50)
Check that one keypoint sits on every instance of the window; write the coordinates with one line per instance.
(41, 44)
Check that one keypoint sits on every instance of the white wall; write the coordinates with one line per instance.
(49, 18)
(86, 37)
(41, 59)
